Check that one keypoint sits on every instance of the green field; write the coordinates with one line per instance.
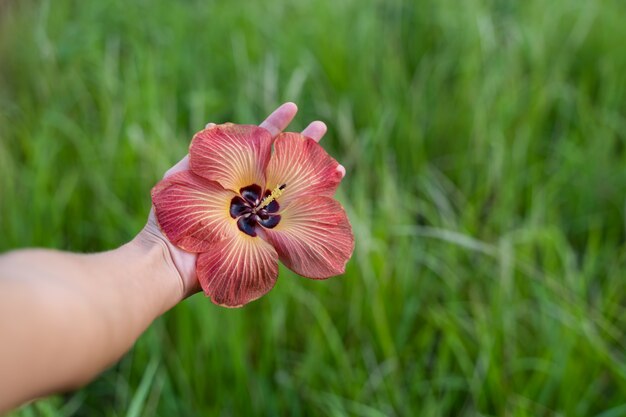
(485, 144)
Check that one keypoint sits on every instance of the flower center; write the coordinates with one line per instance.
(253, 208)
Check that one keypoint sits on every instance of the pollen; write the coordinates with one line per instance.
(273, 196)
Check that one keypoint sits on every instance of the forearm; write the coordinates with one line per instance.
(65, 317)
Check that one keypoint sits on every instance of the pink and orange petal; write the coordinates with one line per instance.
(192, 211)
(237, 270)
(304, 166)
(314, 237)
(233, 155)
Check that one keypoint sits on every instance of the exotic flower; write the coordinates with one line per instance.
(242, 207)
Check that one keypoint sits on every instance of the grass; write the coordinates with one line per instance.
(485, 148)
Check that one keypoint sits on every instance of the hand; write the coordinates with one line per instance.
(183, 263)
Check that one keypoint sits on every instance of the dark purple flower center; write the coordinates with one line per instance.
(252, 208)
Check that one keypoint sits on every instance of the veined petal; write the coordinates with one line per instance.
(236, 156)
(314, 237)
(192, 211)
(304, 166)
(237, 270)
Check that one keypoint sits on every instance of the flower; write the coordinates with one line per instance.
(241, 207)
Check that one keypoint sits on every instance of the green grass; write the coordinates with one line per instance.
(485, 149)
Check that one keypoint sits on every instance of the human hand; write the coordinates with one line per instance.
(183, 263)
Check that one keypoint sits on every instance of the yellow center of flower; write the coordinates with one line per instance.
(273, 196)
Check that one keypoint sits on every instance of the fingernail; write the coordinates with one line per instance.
(341, 169)
(208, 125)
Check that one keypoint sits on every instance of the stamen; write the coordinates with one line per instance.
(273, 196)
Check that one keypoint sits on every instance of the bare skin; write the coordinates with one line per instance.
(65, 317)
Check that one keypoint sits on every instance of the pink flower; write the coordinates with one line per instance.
(242, 207)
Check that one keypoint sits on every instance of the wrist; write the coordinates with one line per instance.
(178, 265)
(160, 266)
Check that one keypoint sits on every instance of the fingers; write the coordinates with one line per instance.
(316, 130)
(182, 165)
(280, 118)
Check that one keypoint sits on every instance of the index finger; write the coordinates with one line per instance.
(182, 165)
(280, 118)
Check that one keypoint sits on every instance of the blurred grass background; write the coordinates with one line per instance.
(484, 143)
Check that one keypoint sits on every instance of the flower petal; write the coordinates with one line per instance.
(238, 206)
(304, 166)
(233, 155)
(268, 221)
(247, 225)
(237, 270)
(252, 194)
(192, 211)
(314, 237)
